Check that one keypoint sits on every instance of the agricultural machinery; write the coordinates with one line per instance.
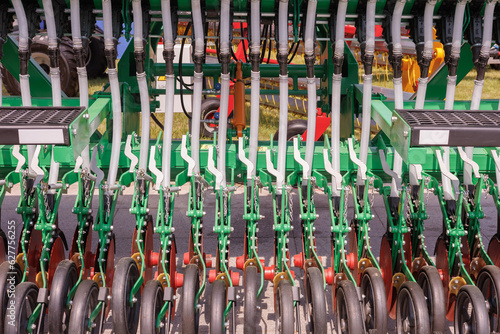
(101, 144)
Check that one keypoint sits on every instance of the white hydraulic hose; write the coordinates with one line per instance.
(478, 84)
(397, 49)
(23, 47)
(336, 89)
(225, 49)
(255, 86)
(55, 78)
(367, 87)
(485, 50)
(309, 33)
(427, 53)
(195, 120)
(24, 79)
(142, 82)
(168, 44)
(197, 84)
(82, 71)
(222, 131)
(55, 73)
(109, 44)
(283, 115)
(450, 88)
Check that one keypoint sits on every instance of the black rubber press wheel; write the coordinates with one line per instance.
(488, 282)
(315, 300)
(217, 307)
(84, 303)
(191, 284)
(430, 282)
(152, 302)
(250, 302)
(65, 278)
(471, 315)
(9, 278)
(25, 301)
(284, 308)
(374, 306)
(125, 316)
(411, 310)
(349, 317)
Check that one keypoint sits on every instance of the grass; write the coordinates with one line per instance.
(269, 117)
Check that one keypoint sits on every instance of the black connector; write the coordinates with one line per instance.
(198, 63)
(111, 55)
(54, 57)
(225, 59)
(283, 62)
(140, 58)
(24, 58)
(169, 56)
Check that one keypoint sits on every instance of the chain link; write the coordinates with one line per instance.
(408, 206)
(426, 184)
(488, 185)
(45, 187)
(290, 204)
(371, 190)
(347, 190)
(255, 192)
(25, 183)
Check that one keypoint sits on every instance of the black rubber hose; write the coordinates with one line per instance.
(264, 46)
(243, 41)
(157, 121)
(186, 31)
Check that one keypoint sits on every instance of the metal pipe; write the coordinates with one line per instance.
(55, 73)
(255, 83)
(397, 52)
(479, 82)
(82, 71)
(199, 52)
(142, 83)
(168, 43)
(451, 85)
(283, 115)
(109, 47)
(367, 85)
(309, 33)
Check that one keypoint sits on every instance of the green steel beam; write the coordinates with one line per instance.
(64, 155)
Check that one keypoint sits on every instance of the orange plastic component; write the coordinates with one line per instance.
(239, 121)
(298, 260)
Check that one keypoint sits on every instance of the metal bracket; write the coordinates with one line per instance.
(470, 162)
(39, 173)
(446, 172)
(354, 158)
(243, 158)
(93, 167)
(53, 174)
(128, 153)
(389, 171)
(184, 155)
(496, 159)
(329, 168)
(212, 169)
(21, 160)
(270, 166)
(298, 158)
(153, 169)
(415, 173)
(78, 164)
